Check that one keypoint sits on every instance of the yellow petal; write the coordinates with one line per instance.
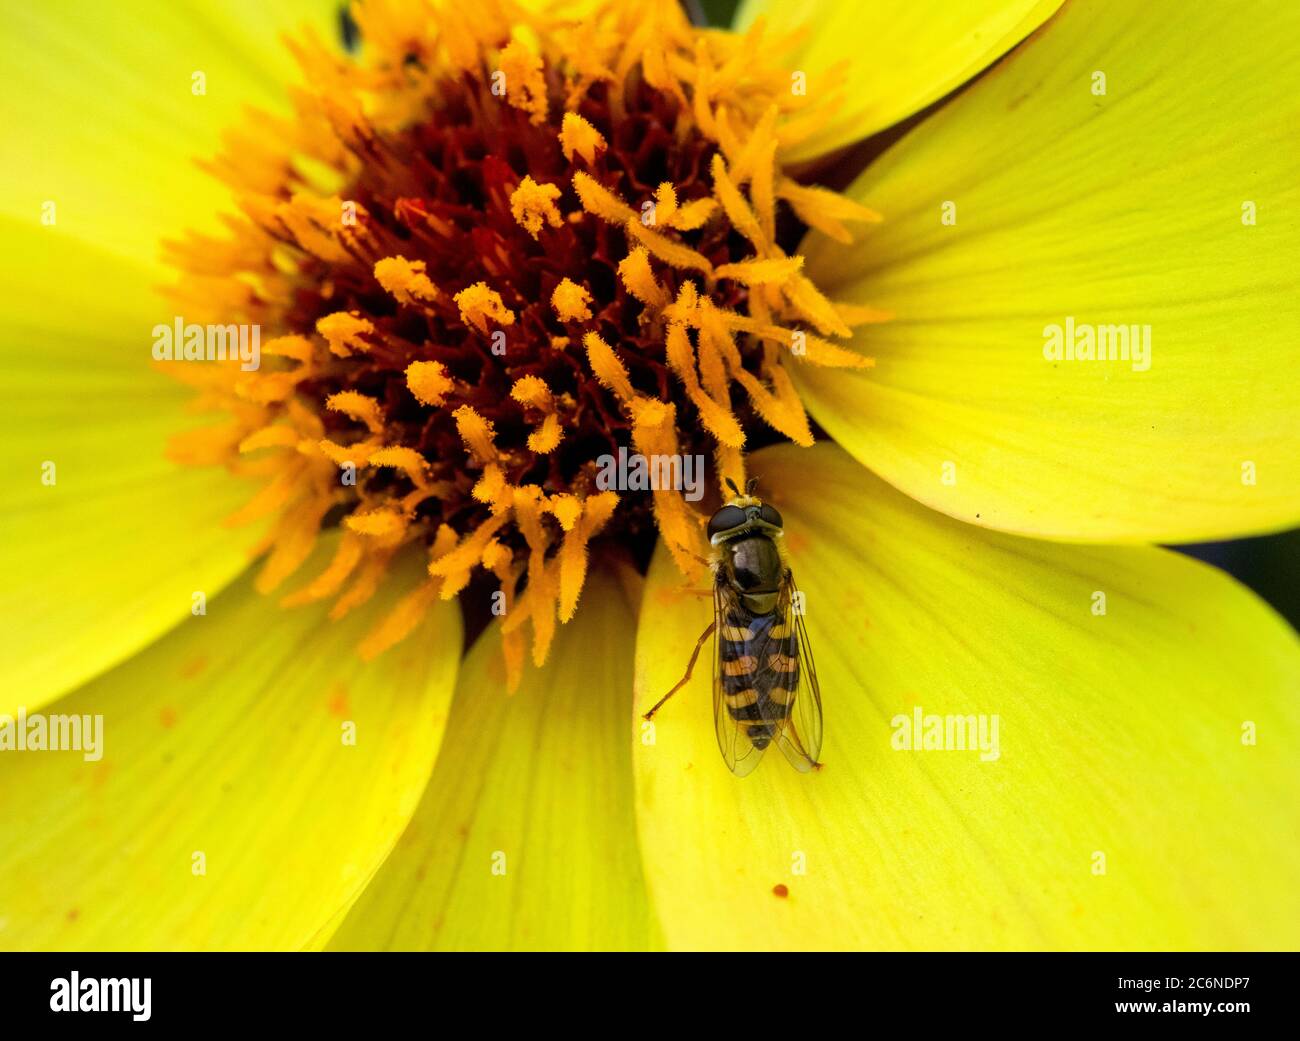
(896, 56)
(225, 739)
(106, 558)
(101, 115)
(525, 838)
(1122, 209)
(1119, 734)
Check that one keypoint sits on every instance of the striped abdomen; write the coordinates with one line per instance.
(759, 665)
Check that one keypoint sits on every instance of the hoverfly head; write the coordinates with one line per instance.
(744, 513)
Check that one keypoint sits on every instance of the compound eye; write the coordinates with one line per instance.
(725, 519)
(769, 516)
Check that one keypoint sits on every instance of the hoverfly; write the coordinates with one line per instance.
(764, 680)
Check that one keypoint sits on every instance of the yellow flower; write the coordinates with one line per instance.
(490, 247)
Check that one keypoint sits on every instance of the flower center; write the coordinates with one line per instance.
(494, 255)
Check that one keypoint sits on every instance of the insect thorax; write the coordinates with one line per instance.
(752, 566)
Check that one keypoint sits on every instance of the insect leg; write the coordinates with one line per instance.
(689, 669)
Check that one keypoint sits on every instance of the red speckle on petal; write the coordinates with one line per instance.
(338, 703)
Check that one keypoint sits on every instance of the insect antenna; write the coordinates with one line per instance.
(749, 488)
(732, 485)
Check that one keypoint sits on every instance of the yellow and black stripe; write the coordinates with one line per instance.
(759, 672)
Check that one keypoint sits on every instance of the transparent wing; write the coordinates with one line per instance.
(731, 718)
(794, 702)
